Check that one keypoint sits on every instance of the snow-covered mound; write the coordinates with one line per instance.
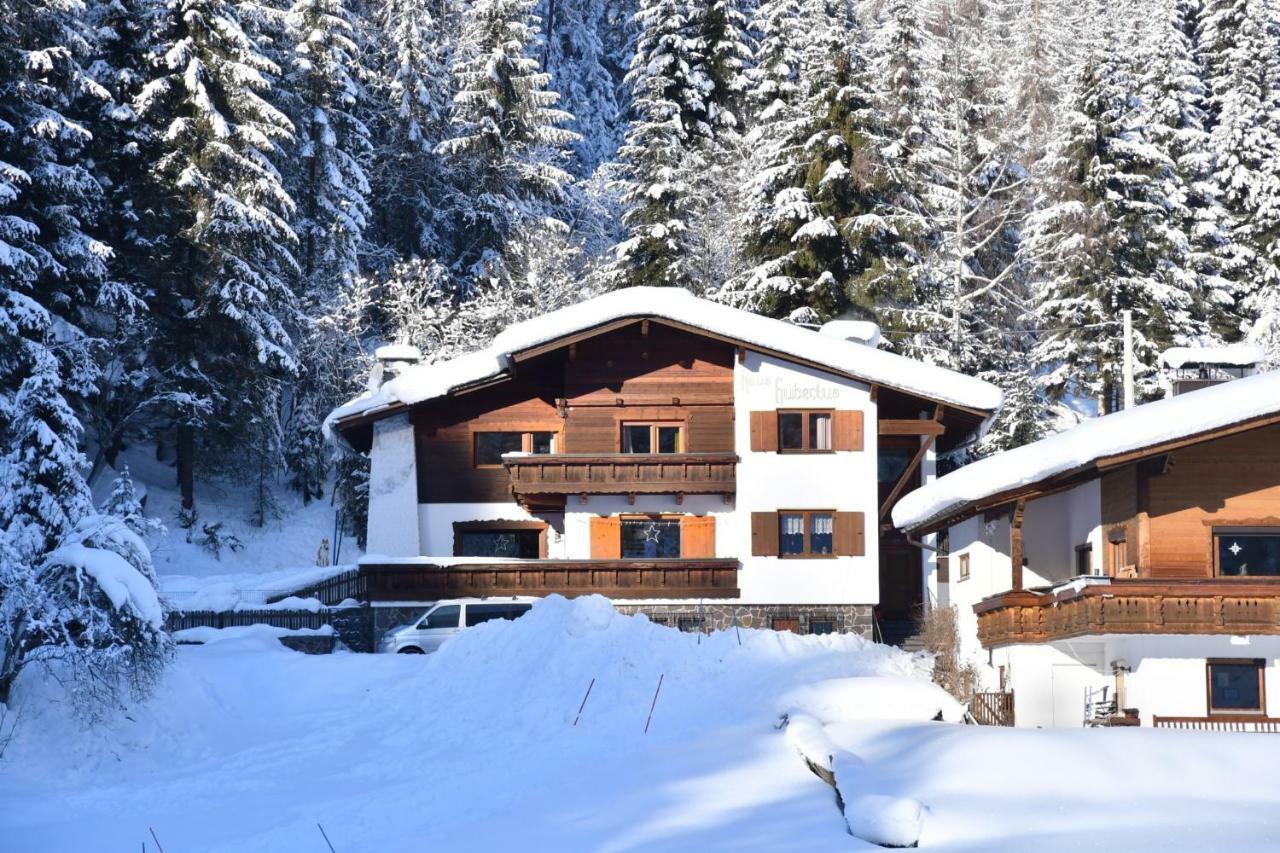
(885, 697)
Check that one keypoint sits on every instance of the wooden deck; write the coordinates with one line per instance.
(700, 578)
(1132, 606)
(622, 473)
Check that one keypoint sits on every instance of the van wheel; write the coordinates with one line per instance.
(410, 650)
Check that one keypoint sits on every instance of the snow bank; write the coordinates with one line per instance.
(885, 697)
(883, 819)
(123, 585)
(419, 383)
(1144, 426)
(253, 637)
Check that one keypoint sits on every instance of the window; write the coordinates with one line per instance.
(491, 445)
(1084, 560)
(478, 613)
(442, 617)
(804, 432)
(650, 538)
(688, 624)
(822, 626)
(891, 462)
(1236, 686)
(1248, 553)
(964, 567)
(805, 533)
(785, 623)
(652, 438)
(518, 544)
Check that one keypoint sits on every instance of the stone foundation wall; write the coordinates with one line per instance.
(719, 616)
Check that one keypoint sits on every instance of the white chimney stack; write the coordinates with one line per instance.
(393, 359)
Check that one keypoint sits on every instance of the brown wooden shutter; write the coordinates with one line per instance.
(697, 536)
(606, 538)
(846, 431)
(764, 534)
(764, 432)
(850, 534)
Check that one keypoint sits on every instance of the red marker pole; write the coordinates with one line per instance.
(584, 701)
(653, 704)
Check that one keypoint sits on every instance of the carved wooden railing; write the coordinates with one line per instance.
(1131, 606)
(668, 578)
(1233, 723)
(622, 473)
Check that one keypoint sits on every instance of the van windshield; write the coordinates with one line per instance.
(442, 617)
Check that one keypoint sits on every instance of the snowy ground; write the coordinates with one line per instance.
(248, 746)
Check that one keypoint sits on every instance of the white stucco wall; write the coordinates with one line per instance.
(1053, 526)
(844, 481)
(1166, 677)
(393, 490)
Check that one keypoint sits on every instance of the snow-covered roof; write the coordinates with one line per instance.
(1232, 355)
(1136, 429)
(419, 383)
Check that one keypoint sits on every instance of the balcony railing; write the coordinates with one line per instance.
(621, 473)
(1131, 606)
(667, 578)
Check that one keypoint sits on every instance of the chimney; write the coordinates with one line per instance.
(858, 331)
(392, 360)
(1191, 368)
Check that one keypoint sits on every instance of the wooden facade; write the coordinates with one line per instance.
(622, 474)
(1132, 606)
(633, 578)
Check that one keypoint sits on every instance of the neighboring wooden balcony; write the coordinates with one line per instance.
(1131, 606)
(670, 578)
(621, 474)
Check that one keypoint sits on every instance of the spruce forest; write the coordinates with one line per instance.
(211, 212)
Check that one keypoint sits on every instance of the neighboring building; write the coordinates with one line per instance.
(1132, 562)
(701, 464)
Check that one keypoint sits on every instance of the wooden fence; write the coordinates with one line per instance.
(290, 619)
(992, 709)
(331, 590)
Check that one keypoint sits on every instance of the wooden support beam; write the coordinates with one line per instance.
(911, 427)
(1015, 542)
(910, 471)
(644, 328)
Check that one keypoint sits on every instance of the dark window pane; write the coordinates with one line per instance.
(650, 538)
(543, 441)
(443, 617)
(517, 610)
(821, 626)
(1234, 686)
(1084, 560)
(820, 533)
(790, 431)
(791, 533)
(519, 544)
(477, 613)
(819, 431)
(891, 462)
(491, 445)
(1252, 554)
(688, 624)
(635, 438)
(668, 439)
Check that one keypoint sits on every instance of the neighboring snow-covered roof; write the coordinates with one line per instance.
(1232, 355)
(397, 352)
(1123, 432)
(420, 383)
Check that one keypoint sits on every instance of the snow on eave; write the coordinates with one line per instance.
(1080, 448)
(420, 383)
(1232, 355)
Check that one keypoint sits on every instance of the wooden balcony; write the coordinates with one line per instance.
(672, 578)
(621, 474)
(1131, 606)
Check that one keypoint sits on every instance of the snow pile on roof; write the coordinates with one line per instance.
(1122, 432)
(397, 352)
(419, 383)
(1232, 355)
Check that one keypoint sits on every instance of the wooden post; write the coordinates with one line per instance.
(1015, 543)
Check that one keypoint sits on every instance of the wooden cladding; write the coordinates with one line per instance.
(697, 536)
(1132, 607)
(849, 534)
(846, 430)
(701, 578)
(622, 473)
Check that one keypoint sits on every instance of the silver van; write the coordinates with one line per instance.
(448, 618)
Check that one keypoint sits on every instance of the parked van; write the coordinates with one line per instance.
(447, 619)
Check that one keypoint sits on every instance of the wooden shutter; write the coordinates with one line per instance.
(606, 538)
(697, 536)
(764, 534)
(764, 432)
(846, 431)
(850, 534)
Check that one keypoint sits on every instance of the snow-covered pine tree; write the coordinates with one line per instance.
(1042, 41)
(412, 44)
(222, 347)
(814, 239)
(123, 503)
(1238, 44)
(507, 142)
(1096, 237)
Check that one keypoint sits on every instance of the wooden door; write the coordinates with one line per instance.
(901, 583)
(786, 623)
